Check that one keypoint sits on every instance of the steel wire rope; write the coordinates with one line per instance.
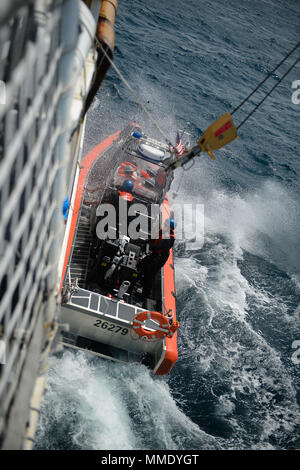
(265, 79)
(268, 94)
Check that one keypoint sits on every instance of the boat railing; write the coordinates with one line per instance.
(92, 302)
(112, 308)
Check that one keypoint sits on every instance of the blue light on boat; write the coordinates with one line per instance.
(137, 134)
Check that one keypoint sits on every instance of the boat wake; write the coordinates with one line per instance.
(239, 317)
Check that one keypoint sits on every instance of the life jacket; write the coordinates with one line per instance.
(121, 170)
(126, 196)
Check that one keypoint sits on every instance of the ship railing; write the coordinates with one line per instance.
(43, 82)
(100, 304)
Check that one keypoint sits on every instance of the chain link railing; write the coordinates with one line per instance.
(38, 75)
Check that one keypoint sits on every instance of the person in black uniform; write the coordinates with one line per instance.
(160, 251)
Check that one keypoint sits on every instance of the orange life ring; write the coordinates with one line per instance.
(121, 170)
(138, 325)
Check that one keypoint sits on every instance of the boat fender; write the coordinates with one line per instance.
(65, 207)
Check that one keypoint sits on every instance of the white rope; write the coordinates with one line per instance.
(154, 122)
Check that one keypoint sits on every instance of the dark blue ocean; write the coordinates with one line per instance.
(236, 382)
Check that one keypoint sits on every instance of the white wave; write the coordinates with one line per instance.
(225, 345)
(75, 384)
(264, 221)
(117, 407)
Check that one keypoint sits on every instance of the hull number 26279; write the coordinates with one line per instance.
(111, 327)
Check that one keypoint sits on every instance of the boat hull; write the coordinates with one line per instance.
(101, 324)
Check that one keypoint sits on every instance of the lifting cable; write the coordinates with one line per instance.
(262, 82)
(236, 109)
